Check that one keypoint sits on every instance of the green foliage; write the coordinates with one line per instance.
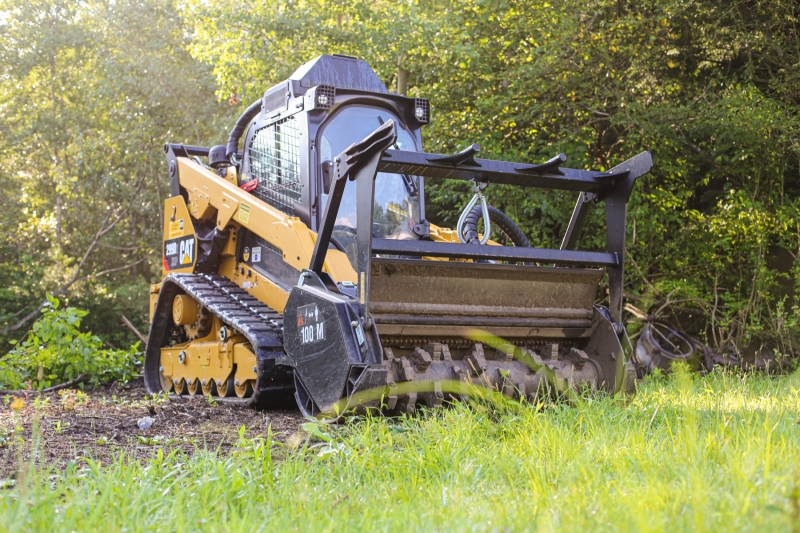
(55, 351)
(89, 94)
(90, 91)
(688, 453)
(709, 88)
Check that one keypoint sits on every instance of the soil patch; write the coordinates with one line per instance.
(99, 424)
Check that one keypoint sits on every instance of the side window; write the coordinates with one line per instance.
(275, 163)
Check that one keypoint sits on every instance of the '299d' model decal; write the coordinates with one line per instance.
(179, 253)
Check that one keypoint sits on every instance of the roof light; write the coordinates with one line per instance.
(422, 110)
(324, 96)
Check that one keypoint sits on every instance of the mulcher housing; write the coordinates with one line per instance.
(285, 270)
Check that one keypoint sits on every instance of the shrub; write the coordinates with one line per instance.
(55, 351)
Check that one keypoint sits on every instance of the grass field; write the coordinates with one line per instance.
(688, 453)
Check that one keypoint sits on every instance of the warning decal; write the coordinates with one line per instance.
(179, 253)
(176, 229)
(244, 212)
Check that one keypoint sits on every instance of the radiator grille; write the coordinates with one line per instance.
(275, 161)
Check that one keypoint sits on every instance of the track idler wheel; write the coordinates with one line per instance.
(166, 383)
(225, 387)
(209, 387)
(180, 386)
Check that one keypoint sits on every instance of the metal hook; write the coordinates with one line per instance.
(487, 226)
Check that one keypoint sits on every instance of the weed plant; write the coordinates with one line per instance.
(687, 453)
(55, 350)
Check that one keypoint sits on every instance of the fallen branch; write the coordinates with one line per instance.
(635, 311)
(79, 379)
(133, 328)
(641, 274)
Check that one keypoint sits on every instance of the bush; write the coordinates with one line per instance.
(55, 351)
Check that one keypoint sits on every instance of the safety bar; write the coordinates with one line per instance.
(185, 150)
(548, 175)
(497, 253)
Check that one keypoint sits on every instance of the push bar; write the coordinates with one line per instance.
(361, 162)
(548, 175)
(497, 253)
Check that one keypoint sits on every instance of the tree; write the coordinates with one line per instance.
(89, 93)
(710, 88)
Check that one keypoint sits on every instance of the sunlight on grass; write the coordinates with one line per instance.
(721, 452)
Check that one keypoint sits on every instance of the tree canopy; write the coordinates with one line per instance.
(89, 92)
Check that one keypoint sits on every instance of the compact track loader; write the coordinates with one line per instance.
(305, 264)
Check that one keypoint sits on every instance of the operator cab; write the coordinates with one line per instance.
(302, 124)
(396, 206)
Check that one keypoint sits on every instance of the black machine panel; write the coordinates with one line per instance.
(323, 337)
(265, 259)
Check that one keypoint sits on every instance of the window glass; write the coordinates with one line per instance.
(396, 208)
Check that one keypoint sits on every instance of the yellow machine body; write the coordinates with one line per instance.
(304, 264)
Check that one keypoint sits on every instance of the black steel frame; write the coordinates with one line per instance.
(362, 161)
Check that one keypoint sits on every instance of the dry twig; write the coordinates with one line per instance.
(133, 328)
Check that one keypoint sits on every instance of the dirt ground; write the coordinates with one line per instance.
(103, 422)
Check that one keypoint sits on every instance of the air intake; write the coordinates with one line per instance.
(276, 98)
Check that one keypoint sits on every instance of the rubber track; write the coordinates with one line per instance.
(261, 325)
(234, 306)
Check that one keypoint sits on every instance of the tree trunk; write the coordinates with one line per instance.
(134, 268)
(58, 224)
(402, 81)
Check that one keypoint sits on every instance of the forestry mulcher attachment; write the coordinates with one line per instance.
(304, 263)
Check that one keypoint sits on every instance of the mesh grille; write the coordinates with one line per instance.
(422, 110)
(325, 95)
(269, 246)
(275, 162)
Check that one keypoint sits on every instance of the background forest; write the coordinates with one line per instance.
(90, 92)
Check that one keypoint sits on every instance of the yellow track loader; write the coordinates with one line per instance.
(304, 264)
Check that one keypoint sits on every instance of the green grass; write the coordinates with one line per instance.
(716, 453)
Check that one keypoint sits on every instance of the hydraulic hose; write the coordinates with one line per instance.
(238, 129)
(498, 218)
